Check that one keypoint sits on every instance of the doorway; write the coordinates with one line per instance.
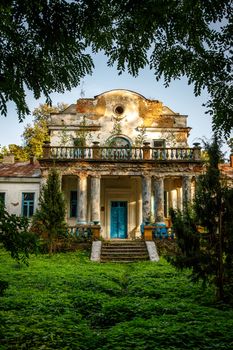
(118, 219)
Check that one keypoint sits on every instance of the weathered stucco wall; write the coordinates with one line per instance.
(13, 193)
(119, 112)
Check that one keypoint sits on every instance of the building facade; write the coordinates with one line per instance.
(124, 160)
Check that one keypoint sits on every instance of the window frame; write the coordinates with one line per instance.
(28, 204)
(159, 140)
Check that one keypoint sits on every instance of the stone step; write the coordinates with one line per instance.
(134, 249)
(125, 258)
(124, 254)
(124, 251)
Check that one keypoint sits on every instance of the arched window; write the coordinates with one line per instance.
(120, 141)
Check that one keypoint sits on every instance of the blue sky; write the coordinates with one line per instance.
(178, 96)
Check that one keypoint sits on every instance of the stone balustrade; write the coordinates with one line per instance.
(144, 153)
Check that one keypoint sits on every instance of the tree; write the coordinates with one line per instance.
(19, 152)
(209, 254)
(35, 135)
(44, 46)
(15, 235)
(49, 219)
(16, 238)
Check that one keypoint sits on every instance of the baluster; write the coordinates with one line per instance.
(177, 154)
(181, 154)
(172, 153)
(104, 153)
(191, 153)
(159, 154)
(167, 154)
(75, 152)
(89, 153)
(163, 154)
(135, 153)
(140, 154)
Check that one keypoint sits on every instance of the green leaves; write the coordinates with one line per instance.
(15, 236)
(65, 301)
(49, 219)
(207, 254)
(44, 46)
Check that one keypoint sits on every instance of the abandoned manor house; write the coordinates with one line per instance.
(123, 161)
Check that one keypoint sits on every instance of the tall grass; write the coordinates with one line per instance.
(67, 302)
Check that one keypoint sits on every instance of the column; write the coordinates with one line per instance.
(179, 201)
(82, 199)
(186, 190)
(174, 199)
(146, 198)
(159, 198)
(95, 199)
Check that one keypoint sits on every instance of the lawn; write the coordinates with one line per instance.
(67, 302)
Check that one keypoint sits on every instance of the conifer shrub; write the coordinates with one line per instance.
(49, 219)
(209, 253)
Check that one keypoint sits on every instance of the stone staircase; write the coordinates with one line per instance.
(123, 251)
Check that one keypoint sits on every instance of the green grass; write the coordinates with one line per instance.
(68, 302)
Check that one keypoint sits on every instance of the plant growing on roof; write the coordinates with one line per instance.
(82, 134)
(141, 137)
(117, 128)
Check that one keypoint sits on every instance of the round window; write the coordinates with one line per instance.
(119, 110)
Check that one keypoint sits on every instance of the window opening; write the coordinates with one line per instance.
(28, 204)
(73, 204)
(2, 197)
(159, 143)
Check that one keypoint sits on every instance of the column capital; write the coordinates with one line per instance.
(82, 175)
(158, 177)
(95, 176)
(146, 175)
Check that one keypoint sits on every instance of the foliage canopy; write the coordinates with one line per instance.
(15, 235)
(44, 46)
(209, 254)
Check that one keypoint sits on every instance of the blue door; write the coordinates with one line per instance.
(118, 219)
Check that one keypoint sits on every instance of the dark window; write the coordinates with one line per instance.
(73, 204)
(28, 204)
(159, 143)
(2, 198)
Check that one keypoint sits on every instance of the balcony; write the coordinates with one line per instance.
(121, 154)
